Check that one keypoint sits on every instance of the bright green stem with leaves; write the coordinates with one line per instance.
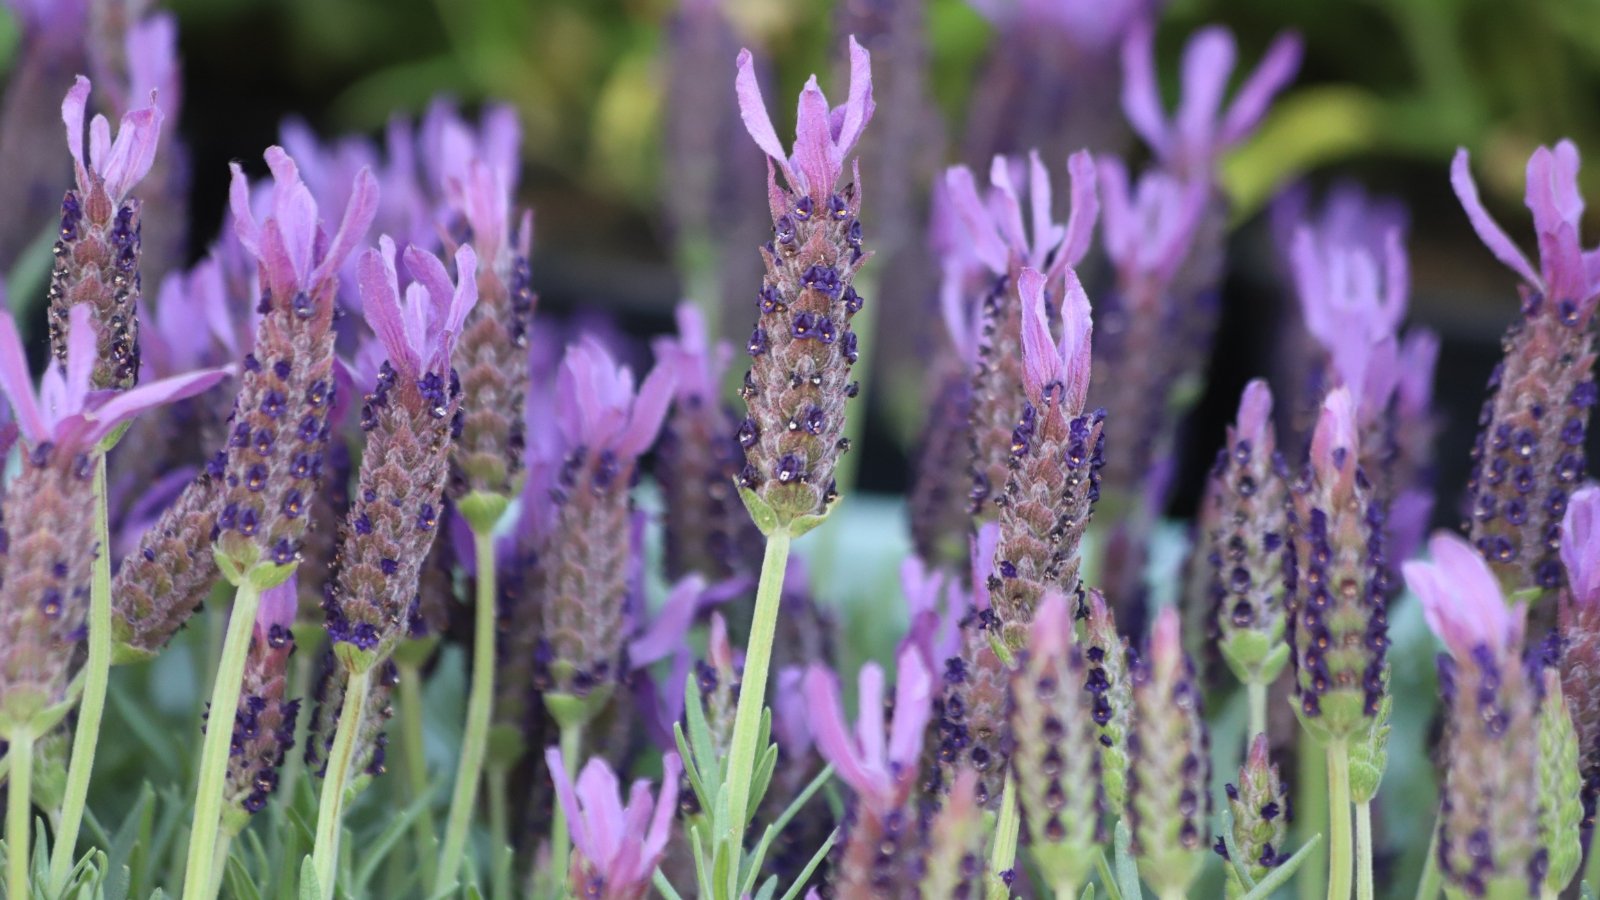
(742, 748)
(1364, 885)
(336, 781)
(1340, 862)
(214, 752)
(416, 762)
(19, 803)
(97, 674)
(561, 830)
(475, 741)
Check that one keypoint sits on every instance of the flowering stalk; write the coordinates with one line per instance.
(1580, 639)
(1259, 805)
(273, 459)
(801, 354)
(1529, 454)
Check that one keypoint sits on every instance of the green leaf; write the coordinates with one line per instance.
(376, 851)
(310, 888)
(1107, 880)
(1225, 826)
(759, 855)
(1088, 892)
(1281, 875)
(664, 886)
(811, 867)
(763, 515)
(1127, 869)
(240, 884)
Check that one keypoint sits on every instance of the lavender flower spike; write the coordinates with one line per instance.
(411, 417)
(1054, 476)
(1260, 807)
(1339, 630)
(1489, 841)
(802, 347)
(272, 464)
(616, 847)
(605, 426)
(97, 251)
(44, 596)
(995, 232)
(263, 727)
(878, 762)
(1170, 749)
(1201, 129)
(1529, 453)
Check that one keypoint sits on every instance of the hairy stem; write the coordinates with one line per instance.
(1257, 693)
(214, 752)
(336, 781)
(475, 741)
(19, 805)
(742, 748)
(97, 675)
(1364, 886)
(561, 829)
(1313, 787)
(500, 829)
(1339, 850)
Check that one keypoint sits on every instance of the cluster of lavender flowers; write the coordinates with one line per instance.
(364, 486)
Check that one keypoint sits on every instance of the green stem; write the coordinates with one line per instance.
(1364, 886)
(560, 830)
(475, 741)
(1313, 779)
(500, 828)
(1339, 853)
(1257, 693)
(335, 783)
(742, 748)
(19, 804)
(219, 736)
(97, 675)
(416, 761)
(1432, 881)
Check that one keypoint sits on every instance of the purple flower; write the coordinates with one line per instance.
(1462, 601)
(296, 253)
(935, 603)
(419, 331)
(64, 413)
(879, 762)
(1580, 545)
(1201, 130)
(192, 324)
(597, 407)
(668, 631)
(151, 46)
(1348, 215)
(790, 718)
(1354, 310)
(1063, 365)
(475, 170)
(1084, 23)
(696, 364)
(995, 228)
(329, 170)
(823, 137)
(117, 164)
(1566, 272)
(1148, 230)
(617, 847)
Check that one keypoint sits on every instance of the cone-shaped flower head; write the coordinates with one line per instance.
(1169, 776)
(1249, 546)
(1260, 808)
(878, 761)
(605, 425)
(615, 848)
(51, 546)
(802, 347)
(1561, 785)
(954, 863)
(1340, 628)
(1201, 130)
(272, 464)
(97, 249)
(1529, 455)
(263, 726)
(1056, 760)
(1056, 447)
(410, 416)
(993, 230)
(1489, 839)
(706, 528)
